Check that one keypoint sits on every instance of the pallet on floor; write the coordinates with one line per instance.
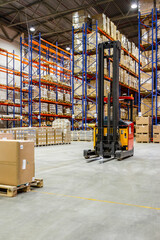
(12, 191)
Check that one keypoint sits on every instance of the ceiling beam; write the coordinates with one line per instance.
(3, 3)
(57, 32)
(62, 13)
(22, 8)
(133, 36)
(120, 17)
(128, 26)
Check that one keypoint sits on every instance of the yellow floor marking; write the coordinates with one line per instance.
(98, 200)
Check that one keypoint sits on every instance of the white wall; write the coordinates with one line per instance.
(9, 46)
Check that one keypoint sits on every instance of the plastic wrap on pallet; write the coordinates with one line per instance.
(44, 93)
(74, 135)
(67, 97)
(44, 107)
(35, 92)
(52, 95)
(66, 111)
(60, 96)
(59, 109)
(86, 135)
(52, 108)
(41, 136)
(65, 125)
(50, 135)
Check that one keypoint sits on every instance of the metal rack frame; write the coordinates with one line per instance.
(147, 71)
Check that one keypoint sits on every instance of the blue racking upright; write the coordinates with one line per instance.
(157, 67)
(91, 65)
(84, 70)
(78, 77)
(147, 64)
(25, 81)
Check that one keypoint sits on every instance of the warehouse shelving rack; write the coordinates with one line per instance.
(91, 74)
(11, 88)
(44, 59)
(83, 74)
(149, 69)
(78, 77)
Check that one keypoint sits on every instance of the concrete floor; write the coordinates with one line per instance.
(87, 201)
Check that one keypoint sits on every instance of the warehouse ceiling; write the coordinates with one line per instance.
(53, 18)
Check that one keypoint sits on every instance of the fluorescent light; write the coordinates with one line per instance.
(68, 48)
(32, 29)
(134, 5)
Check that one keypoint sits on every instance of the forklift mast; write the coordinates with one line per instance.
(111, 141)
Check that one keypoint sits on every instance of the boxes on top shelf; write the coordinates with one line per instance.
(113, 29)
(79, 18)
(145, 6)
(102, 22)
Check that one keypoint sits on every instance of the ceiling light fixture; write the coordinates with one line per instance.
(68, 48)
(134, 5)
(32, 29)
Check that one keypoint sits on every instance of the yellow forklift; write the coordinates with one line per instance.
(113, 137)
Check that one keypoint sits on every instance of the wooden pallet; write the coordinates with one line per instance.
(38, 183)
(156, 142)
(12, 191)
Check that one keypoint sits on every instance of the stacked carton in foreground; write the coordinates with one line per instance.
(143, 129)
(16, 162)
(156, 134)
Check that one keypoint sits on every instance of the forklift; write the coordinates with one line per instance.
(113, 137)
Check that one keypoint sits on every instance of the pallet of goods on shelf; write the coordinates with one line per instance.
(156, 133)
(143, 129)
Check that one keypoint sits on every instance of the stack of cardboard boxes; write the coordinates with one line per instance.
(156, 133)
(80, 135)
(41, 136)
(16, 162)
(62, 130)
(143, 129)
(50, 136)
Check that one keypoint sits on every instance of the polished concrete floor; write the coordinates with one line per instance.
(87, 201)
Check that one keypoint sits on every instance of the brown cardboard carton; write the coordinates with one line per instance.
(50, 135)
(143, 137)
(58, 136)
(146, 107)
(16, 162)
(156, 138)
(156, 129)
(143, 129)
(5, 136)
(143, 120)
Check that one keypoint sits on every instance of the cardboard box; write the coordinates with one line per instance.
(143, 137)
(143, 129)
(50, 135)
(156, 129)
(156, 138)
(58, 136)
(16, 162)
(41, 136)
(5, 136)
(143, 120)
